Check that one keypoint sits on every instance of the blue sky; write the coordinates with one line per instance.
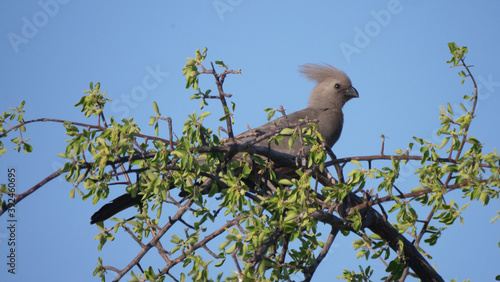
(395, 53)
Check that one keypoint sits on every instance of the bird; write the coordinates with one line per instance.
(333, 89)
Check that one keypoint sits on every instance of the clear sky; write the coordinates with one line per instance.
(394, 51)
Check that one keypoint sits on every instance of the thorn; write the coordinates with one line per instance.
(383, 145)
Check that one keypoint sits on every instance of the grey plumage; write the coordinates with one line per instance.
(332, 91)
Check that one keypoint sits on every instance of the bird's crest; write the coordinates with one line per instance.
(320, 73)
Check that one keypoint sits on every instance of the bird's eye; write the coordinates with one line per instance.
(337, 86)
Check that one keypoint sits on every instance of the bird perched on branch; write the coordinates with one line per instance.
(332, 91)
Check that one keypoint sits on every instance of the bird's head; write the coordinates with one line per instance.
(334, 87)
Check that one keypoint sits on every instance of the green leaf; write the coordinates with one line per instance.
(453, 47)
(444, 142)
(27, 148)
(419, 140)
(224, 116)
(286, 182)
(271, 112)
(220, 263)
(203, 115)
(287, 131)
(246, 171)
(220, 64)
(231, 249)
(198, 55)
(175, 249)
(417, 189)
(357, 225)
(223, 245)
(176, 239)
(72, 193)
(155, 107)
(190, 63)
(356, 163)
(450, 110)
(463, 107)
(485, 198)
(495, 218)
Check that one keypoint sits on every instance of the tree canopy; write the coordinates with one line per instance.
(246, 212)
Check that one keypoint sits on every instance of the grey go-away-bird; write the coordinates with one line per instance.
(332, 91)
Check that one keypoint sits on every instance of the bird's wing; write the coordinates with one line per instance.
(288, 121)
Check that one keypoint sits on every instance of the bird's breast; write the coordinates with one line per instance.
(330, 126)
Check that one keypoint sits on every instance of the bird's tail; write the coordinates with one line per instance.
(117, 205)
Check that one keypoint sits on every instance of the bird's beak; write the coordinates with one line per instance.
(352, 92)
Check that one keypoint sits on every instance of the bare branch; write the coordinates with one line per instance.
(309, 272)
(155, 239)
(20, 197)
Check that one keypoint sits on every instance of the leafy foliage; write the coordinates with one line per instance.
(267, 219)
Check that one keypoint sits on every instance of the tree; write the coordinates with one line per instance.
(268, 221)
